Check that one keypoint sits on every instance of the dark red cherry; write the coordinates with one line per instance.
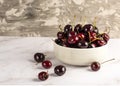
(100, 42)
(47, 64)
(95, 30)
(88, 27)
(60, 70)
(67, 28)
(76, 38)
(82, 44)
(72, 33)
(91, 45)
(78, 28)
(58, 41)
(66, 44)
(43, 76)
(73, 39)
(92, 36)
(60, 35)
(106, 37)
(95, 66)
(39, 57)
(81, 36)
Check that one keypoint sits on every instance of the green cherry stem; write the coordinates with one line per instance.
(73, 23)
(84, 20)
(107, 30)
(60, 28)
(104, 61)
(94, 22)
(108, 60)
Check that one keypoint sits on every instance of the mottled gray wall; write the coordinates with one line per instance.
(42, 17)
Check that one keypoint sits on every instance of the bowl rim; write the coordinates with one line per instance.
(80, 48)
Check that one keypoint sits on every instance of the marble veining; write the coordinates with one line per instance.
(42, 17)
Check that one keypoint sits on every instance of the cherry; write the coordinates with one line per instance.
(95, 30)
(60, 35)
(73, 39)
(82, 44)
(72, 33)
(47, 64)
(43, 76)
(92, 36)
(78, 28)
(81, 36)
(60, 70)
(68, 28)
(91, 45)
(39, 57)
(66, 44)
(105, 37)
(95, 66)
(100, 42)
(58, 41)
(88, 27)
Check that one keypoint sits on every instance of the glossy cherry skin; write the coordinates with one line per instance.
(73, 39)
(60, 70)
(91, 45)
(39, 57)
(92, 36)
(105, 37)
(100, 42)
(78, 28)
(81, 36)
(82, 44)
(67, 28)
(47, 64)
(58, 41)
(43, 76)
(60, 35)
(95, 66)
(95, 30)
(88, 27)
(72, 33)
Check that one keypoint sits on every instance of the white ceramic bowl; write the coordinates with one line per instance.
(81, 57)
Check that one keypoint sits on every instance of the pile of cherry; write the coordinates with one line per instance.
(79, 36)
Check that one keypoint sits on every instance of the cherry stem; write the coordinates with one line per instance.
(94, 23)
(60, 28)
(84, 20)
(73, 23)
(108, 60)
(94, 40)
(108, 30)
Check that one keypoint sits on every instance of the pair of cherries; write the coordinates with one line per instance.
(58, 70)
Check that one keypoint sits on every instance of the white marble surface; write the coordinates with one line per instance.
(17, 65)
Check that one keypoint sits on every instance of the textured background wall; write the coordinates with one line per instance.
(42, 17)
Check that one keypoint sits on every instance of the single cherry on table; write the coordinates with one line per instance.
(39, 57)
(47, 64)
(43, 76)
(60, 70)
